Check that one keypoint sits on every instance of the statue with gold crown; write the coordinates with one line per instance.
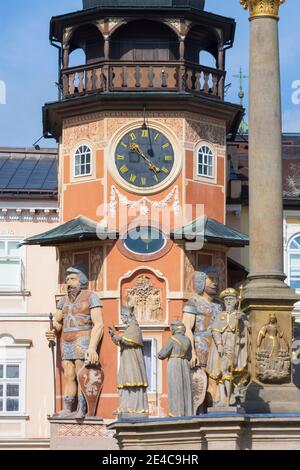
(228, 357)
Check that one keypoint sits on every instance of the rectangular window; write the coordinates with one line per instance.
(10, 388)
(10, 266)
(83, 161)
(205, 162)
(150, 355)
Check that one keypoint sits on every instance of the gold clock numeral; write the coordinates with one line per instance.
(155, 178)
(132, 136)
(165, 146)
(144, 181)
(145, 133)
(168, 158)
(164, 169)
(124, 145)
(123, 169)
(132, 178)
(120, 157)
(157, 136)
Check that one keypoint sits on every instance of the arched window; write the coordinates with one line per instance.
(205, 162)
(294, 262)
(83, 161)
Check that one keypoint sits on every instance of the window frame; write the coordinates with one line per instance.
(78, 147)
(213, 165)
(22, 274)
(153, 386)
(290, 252)
(20, 381)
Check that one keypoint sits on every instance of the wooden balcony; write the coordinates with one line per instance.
(145, 77)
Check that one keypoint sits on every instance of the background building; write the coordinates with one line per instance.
(28, 205)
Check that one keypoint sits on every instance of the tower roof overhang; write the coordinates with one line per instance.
(227, 26)
(54, 113)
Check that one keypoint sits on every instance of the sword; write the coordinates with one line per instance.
(52, 345)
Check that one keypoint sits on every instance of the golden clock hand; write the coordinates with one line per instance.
(137, 149)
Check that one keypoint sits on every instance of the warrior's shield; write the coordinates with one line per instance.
(199, 388)
(90, 379)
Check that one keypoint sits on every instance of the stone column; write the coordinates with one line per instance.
(266, 292)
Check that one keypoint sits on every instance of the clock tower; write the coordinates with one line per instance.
(142, 125)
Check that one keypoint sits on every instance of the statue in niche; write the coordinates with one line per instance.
(198, 315)
(146, 300)
(178, 350)
(273, 361)
(79, 321)
(132, 377)
(228, 358)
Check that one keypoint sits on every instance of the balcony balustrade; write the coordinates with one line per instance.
(145, 77)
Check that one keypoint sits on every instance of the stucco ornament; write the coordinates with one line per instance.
(273, 361)
(262, 7)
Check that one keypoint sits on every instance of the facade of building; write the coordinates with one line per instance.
(142, 129)
(28, 205)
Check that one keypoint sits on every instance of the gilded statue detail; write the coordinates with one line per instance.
(273, 362)
(262, 7)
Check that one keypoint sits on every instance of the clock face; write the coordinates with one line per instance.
(144, 157)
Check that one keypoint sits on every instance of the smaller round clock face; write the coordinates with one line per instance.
(144, 157)
(144, 240)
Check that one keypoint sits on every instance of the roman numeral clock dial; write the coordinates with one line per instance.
(144, 158)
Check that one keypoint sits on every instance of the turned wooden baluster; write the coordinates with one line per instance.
(188, 79)
(164, 78)
(71, 83)
(137, 76)
(98, 79)
(151, 76)
(124, 77)
(197, 83)
(206, 82)
(80, 82)
(65, 81)
(89, 80)
(215, 84)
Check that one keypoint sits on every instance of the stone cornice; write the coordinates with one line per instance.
(258, 8)
(29, 215)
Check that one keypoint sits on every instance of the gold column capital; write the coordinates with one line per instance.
(262, 7)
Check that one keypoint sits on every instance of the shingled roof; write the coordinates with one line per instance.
(28, 171)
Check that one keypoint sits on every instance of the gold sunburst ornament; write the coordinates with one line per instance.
(262, 7)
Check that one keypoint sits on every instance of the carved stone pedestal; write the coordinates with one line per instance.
(238, 432)
(89, 434)
(271, 389)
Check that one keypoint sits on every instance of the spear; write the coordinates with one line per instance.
(52, 345)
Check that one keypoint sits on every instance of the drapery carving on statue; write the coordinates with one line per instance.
(91, 131)
(196, 130)
(96, 268)
(66, 260)
(146, 300)
(189, 269)
(220, 265)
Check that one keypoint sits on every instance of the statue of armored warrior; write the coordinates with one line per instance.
(79, 320)
(132, 377)
(229, 351)
(179, 351)
(198, 315)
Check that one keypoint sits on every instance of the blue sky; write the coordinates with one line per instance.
(28, 64)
